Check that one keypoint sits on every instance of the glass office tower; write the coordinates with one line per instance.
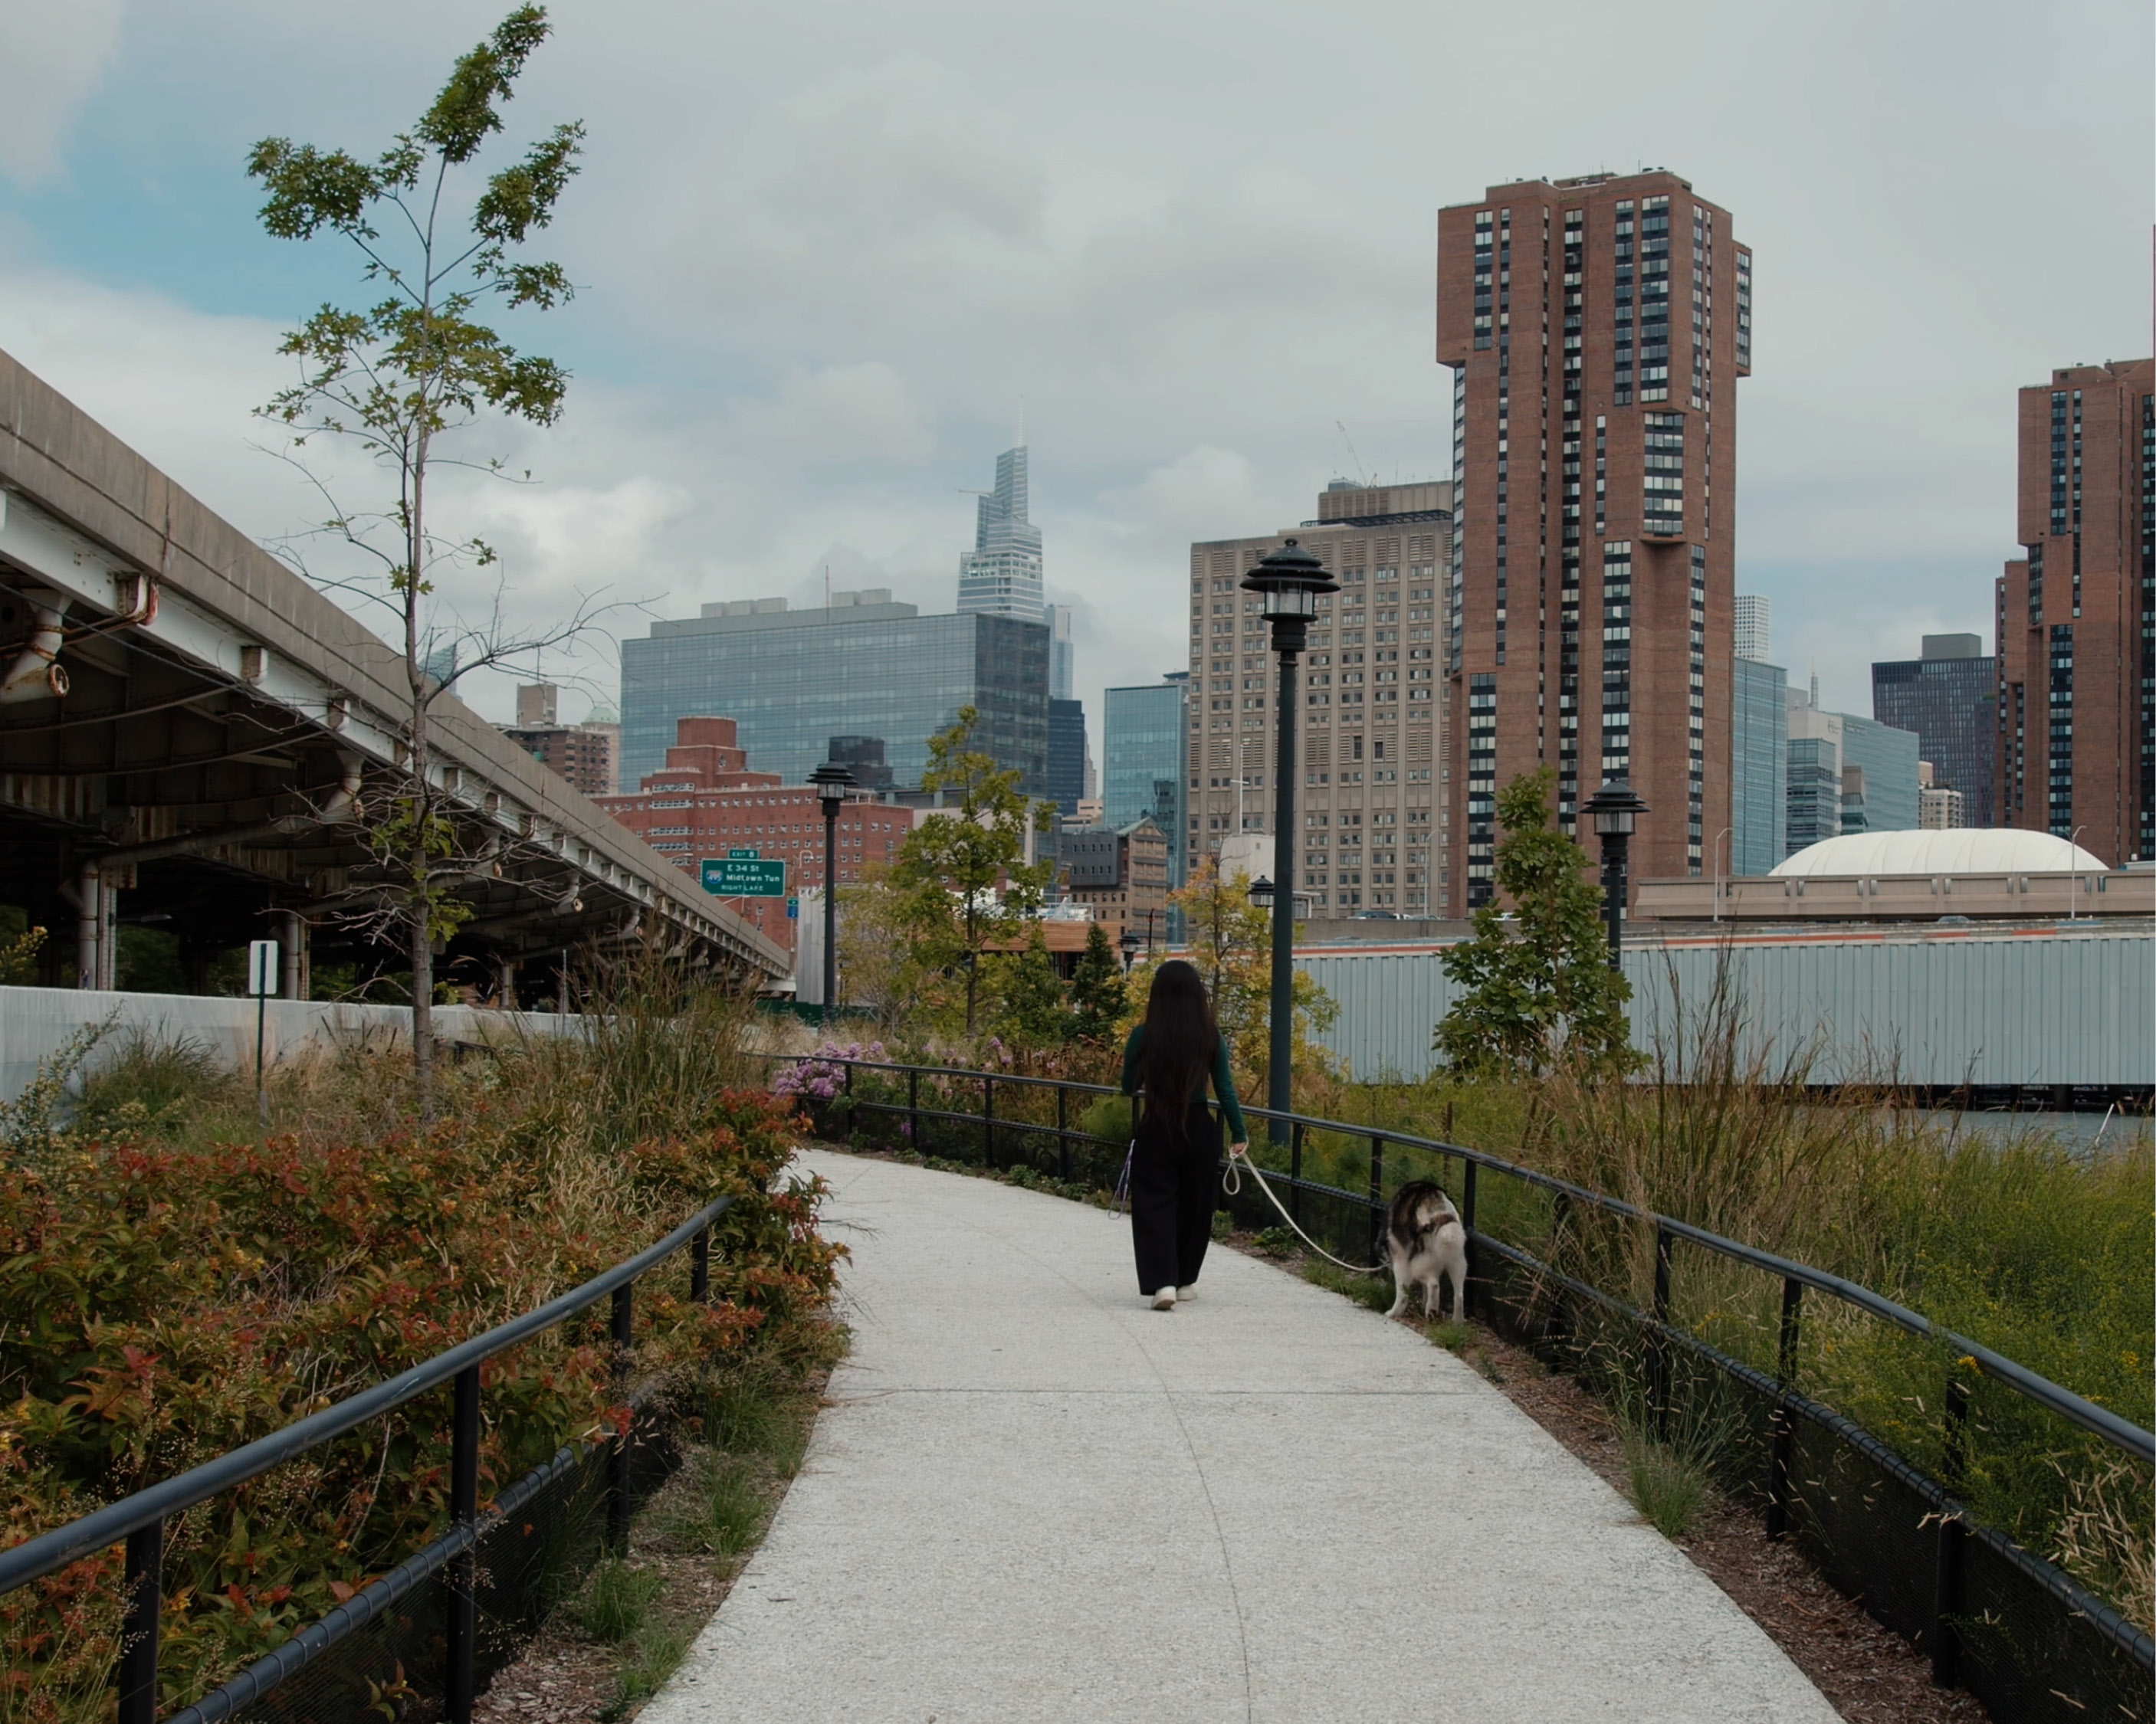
(1145, 763)
(1758, 767)
(1949, 697)
(792, 680)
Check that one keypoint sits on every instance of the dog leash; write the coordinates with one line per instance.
(1232, 1183)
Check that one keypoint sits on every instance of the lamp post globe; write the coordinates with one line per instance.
(1615, 809)
(1289, 584)
(832, 781)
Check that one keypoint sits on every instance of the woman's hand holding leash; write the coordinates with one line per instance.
(1232, 1183)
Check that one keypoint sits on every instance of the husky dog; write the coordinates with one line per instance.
(1426, 1243)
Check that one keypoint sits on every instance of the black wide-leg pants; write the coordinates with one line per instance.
(1175, 1186)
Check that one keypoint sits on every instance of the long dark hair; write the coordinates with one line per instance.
(1180, 1041)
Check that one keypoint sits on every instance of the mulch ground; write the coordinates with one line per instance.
(1869, 1673)
(564, 1676)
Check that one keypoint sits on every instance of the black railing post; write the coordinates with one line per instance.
(1785, 1422)
(624, 1329)
(1558, 1326)
(1467, 1225)
(1063, 1132)
(913, 1109)
(988, 1120)
(1946, 1584)
(1658, 1385)
(145, 1603)
(464, 1511)
(699, 1268)
(1377, 1192)
(1295, 1172)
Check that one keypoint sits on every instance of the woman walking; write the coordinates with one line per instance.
(1175, 1158)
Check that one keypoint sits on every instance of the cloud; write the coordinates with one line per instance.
(824, 255)
(54, 54)
(833, 417)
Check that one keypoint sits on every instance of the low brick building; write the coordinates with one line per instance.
(707, 802)
(1120, 873)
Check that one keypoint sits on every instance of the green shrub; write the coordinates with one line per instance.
(720, 1508)
(1668, 1488)
(616, 1601)
(1107, 1116)
(166, 1294)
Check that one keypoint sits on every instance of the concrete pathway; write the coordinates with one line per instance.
(1035, 1498)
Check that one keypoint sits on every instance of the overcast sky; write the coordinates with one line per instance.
(828, 254)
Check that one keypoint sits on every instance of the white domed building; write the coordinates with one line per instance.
(1961, 875)
(1960, 851)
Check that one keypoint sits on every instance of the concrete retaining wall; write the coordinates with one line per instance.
(35, 1022)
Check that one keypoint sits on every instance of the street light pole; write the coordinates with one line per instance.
(832, 781)
(2074, 880)
(1288, 583)
(1615, 807)
(1726, 832)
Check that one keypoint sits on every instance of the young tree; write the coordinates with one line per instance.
(1542, 989)
(1034, 1013)
(962, 873)
(399, 379)
(1230, 942)
(1096, 989)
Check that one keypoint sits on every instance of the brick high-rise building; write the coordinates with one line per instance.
(588, 755)
(1596, 328)
(2077, 616)
(1371, 726)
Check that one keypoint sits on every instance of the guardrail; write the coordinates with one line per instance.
(140, 1520)
(1943, 1622)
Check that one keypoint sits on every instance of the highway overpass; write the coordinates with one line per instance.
(186, 725)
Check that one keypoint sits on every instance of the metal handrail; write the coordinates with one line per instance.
(140, 1519)
(2120, 1432)
(36, 1557)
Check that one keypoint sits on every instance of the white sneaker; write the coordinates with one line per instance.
(1164, 1300)
(1187, 1294)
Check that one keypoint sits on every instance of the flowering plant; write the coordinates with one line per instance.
(819, 1076)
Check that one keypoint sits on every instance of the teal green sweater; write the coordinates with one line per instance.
(1224, 1082)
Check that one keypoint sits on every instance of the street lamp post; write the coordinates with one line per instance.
(832, 781)
(1726, 832)
(1288, 583)
(1616, 808)
(1130, 945)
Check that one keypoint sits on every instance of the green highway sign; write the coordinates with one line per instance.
(744, 877)
(742, 855)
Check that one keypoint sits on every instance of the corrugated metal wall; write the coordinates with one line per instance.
(2025, 1009)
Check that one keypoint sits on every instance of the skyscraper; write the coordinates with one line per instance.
(1848, 774)
(1949, 697)
(1066, 755)
(861, 665)
(2076, 615)
(1142, 744)
(1751, 619)
(1758, 766)
(1372, 728)
(1001, 575)
(1596, 327)
(1062, 654)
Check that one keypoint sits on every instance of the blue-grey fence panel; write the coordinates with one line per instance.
(2008, 1009)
